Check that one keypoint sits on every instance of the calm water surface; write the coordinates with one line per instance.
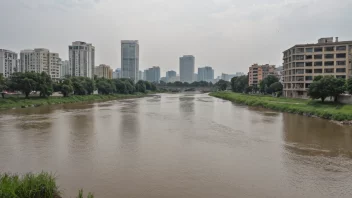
(179, 145)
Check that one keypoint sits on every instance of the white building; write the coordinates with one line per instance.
(130, 59)
(40, 60)
(8, 62)
(82, 59)
(187, 63)
(153, 74)
(65, 69)
(141, 75)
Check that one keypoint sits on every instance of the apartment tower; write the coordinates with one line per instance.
(130, 59)
(303, 62)
(258, 72)
(8, 62)
(40, 60)
(82, 59)
(187, 63)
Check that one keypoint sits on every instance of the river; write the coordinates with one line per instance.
(178, 145)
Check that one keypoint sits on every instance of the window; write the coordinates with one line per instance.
(309, 49)
(300, 57)
(329, 56)
(329, 63)
(343, 55)
(299, 50)
(329, 71)
(300, 64)
(318, 71)
(341, 48)
(309, 71)
(309, 57)
(341, 62)
(309, 78)
(319, 56)
(329, 49)
(341, 76)
(340, 70)
(318, 49)
(318, 63)
(308, 64)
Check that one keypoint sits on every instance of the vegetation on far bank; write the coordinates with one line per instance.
(42, 185)
(327, 110)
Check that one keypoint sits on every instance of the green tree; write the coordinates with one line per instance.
(120, 86)
(323, 87)
(66, 87)
(349, 86)
(24, 82)
(277, 86)
(44, 84)
(239, 84)
(140, 86)
(222, 85)
(105, 87)
(264, 85)
(153, 87)
(89, 85)
(2, 85)
(248, 89)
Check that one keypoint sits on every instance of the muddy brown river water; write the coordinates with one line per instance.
(178, 145)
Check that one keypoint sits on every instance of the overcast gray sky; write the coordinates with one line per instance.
(228, 35)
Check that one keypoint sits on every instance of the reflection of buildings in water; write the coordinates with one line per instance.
(187, 104)
(82, 132)
(315, 136)
(129, 124)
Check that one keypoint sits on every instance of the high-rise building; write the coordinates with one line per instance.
(65, 69)
(170, 74)
(82, 59)
(258, 72)
(187, 63)
(8, 62)
(130, 59)
(40, 60)
(116, 74)
(205, 74)
(303, 62)
(103, 71)
(141, 75)
(153, 74)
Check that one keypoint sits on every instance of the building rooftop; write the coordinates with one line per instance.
(130, 41)
(323, 42)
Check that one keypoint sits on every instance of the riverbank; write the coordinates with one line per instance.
(327, 110)
(15, 102)
(41, 185)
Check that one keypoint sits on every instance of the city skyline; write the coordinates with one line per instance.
(221, 33)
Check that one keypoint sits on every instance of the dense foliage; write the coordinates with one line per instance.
(349, 85)
(239, 84)
(264, 85)
(222, 85)
(29, 82)
(326, 86)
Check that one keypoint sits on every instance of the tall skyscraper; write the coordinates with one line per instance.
(8, 62)
(187, 68)
(130, 59)
(40, 60)
(205, 74)
(65, 69)
(153, 74)
(82, 59)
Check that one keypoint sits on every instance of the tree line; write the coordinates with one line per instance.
(29, 82)
(268, 85)
(329, 86)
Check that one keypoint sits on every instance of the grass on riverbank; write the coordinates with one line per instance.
(16, 102)
(42, 185)
(327, 110)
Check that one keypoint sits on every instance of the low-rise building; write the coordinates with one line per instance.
(103, 71)
(258, 72)
(303, 62)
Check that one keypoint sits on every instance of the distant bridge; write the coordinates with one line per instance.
(186, 89)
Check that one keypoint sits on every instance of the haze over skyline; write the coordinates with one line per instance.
(228, 35)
